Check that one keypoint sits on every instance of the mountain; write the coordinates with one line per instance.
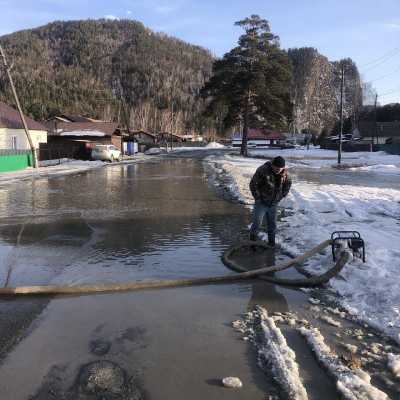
(119, 70)
(316, 90)
(87, 67)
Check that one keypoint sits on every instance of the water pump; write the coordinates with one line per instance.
(350, 240)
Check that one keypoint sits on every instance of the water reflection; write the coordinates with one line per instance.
(120, 223)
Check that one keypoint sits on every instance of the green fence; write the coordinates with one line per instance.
(15, 160)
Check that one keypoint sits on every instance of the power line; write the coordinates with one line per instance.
(385, 57)
(385, 76)
(390, 92)
(380, 63)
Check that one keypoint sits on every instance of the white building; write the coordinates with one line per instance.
(12, 133)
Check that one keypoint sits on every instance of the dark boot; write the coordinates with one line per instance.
(271, 239)
(253, 236)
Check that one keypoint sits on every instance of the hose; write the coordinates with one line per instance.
(312, 281)
(243, 275)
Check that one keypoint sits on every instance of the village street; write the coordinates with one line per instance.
(166, 218)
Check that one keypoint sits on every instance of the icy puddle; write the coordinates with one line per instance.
(158, 220)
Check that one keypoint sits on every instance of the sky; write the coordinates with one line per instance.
(368, 31)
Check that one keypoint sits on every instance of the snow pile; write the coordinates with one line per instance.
(370, 289)
(154, 151)
(215, 145)
(379, 162)
(57, 161)
(353, 385)
(394, 364)
(313, 211)
(273, 352)
(71, 167)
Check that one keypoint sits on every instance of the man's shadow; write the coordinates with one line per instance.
(264, 293)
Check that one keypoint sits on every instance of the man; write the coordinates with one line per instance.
(269, 185)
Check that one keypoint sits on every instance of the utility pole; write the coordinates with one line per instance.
(127, 126)
(172, 121)
(375, 124)
(28, 136)
(341, 115)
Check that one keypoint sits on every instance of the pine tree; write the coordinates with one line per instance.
(253, 80)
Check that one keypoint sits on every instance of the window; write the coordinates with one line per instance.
(14, 143)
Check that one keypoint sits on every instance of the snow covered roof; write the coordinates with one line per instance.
(97, 129)
(83, 133)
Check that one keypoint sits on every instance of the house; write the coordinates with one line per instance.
(259, 138)
(15, 150)
(76, 139)
(71, 118)
(12, 133)
(144, 138)
(381, 133)
(192, 138)
(166, 137)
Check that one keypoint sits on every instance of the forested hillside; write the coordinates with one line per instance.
(316, 90)
(87, 67)
(93, 67)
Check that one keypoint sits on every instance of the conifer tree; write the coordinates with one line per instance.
(253, 80)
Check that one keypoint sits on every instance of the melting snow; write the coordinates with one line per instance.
(215, 145)
(274, 352)
(368, 291)
(394, 364)
(353, 385)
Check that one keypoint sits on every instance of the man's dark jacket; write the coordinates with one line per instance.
(269, 188)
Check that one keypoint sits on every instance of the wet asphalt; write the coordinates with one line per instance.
(162, 219)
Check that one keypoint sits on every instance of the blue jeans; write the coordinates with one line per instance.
(260, 212)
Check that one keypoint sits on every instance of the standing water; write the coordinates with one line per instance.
(128, 223)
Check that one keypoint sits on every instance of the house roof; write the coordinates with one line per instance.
(168, 134)
(253, 134)
(383, 129)
(144, 132)
(72, 118)
(84, 129)
(275, 135)
(10, 118)
(261, 134)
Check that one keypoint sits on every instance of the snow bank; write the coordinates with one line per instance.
(379, 162)
(154, 151)
(353, 385)
(57, 161)
(274, 354)
(215, 145)
(314, 211)
(71, 167)
(394, 364)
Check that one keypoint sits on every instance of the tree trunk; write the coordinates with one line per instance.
(243, 148)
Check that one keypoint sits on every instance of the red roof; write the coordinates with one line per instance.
(264, 134)
(10, 118)
(253, 134)
(275, 135)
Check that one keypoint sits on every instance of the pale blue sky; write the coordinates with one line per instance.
(365, 30)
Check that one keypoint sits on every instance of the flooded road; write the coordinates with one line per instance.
(158, 220)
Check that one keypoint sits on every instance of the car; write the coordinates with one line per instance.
(106, 152)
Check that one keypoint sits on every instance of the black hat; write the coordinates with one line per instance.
(278, 162)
